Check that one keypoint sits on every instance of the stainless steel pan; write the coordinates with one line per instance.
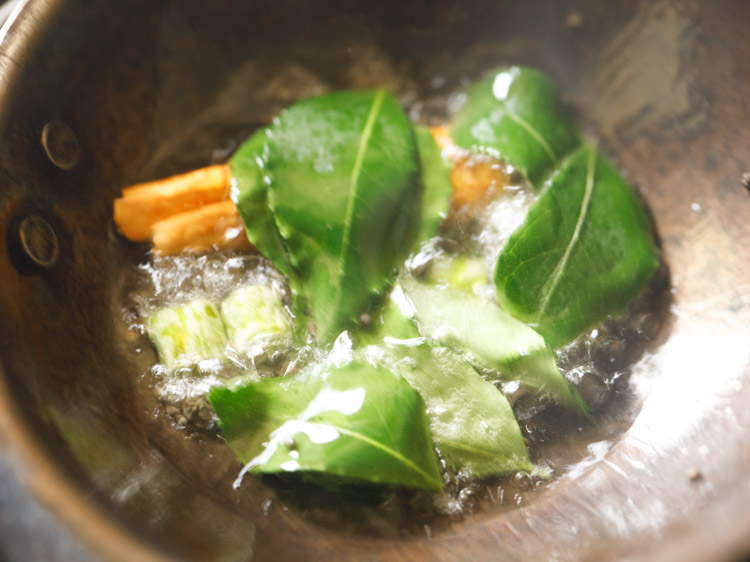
(97, 94)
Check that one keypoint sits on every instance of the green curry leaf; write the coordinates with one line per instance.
(343, 182)
(436, 180)
(465, 322)
(250, 194)
(585, 250)
(336, 192)
(490, 338)
(516, 115)
(472, 422)
(358, 421)
(540, 374)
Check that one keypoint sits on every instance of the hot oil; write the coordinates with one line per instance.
(162, 281)
(598, 363)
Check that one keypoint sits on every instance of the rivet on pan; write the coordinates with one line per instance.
(61, 144)
(38, 241)
(574, 20)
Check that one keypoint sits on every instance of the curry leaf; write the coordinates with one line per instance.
(463, 321)
(472, 422)
(586, 247)
(358, 421)
(437, 188)
(250, 194)
(344, 181)
(585, 250)
(491, 339)
(516, 115)
(539, 373)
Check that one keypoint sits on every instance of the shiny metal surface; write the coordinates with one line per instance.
(661, 84)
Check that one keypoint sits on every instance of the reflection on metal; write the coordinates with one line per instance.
(61, 145)
(6, 8)
(38, 241)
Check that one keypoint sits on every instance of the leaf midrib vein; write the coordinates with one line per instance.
(364, 141)
(534, 133)
(406, 462)
(364, 438)
(560, 268)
